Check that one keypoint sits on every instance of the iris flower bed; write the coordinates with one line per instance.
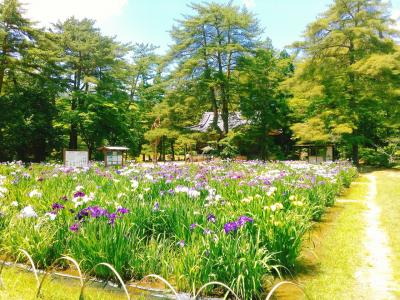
(236, 223)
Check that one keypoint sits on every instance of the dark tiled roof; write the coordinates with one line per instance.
(113, 148)
(235, 120)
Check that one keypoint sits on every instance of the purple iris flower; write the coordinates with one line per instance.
(243, 220)
(211, 218)
(96, 211)
(74, 227)
(122, 210)
(181, 243)
(193, 226)
(111, 218)
(230, 226)
(156, 206)
(79, 194)
(57, 206)
(83, 213)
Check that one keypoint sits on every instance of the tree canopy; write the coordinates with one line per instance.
(71, 86)
(335, 96)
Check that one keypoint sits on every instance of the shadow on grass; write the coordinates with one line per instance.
(370, 169)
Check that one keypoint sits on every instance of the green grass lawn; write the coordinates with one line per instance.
(20, 284)
(339, 257)
(339, 248)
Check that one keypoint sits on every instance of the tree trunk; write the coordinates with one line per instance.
(90, 152)
(3, 62)
(2, 71)
(224, 97)
(172, 151)
(223, 87)
(207, 76)
(225, 115)
(264, 142)
(163, 149)
(215, 110)
(39, 150)
(73, 137)
(355, 154)
(73, 133)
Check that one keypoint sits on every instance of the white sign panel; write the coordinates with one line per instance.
(114, 158)
(76, 158)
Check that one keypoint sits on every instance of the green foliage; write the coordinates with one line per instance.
(262, 102)
(372, 157)
(71, 86)
(229, 149)
(348, 62)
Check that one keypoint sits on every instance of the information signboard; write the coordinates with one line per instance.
(73, 158)
(114, 158)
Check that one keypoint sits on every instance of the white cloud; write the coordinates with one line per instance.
(249, 3)
(50, 11)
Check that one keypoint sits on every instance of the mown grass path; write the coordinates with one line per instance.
(388, 198)
(375, 276)
(354, 253)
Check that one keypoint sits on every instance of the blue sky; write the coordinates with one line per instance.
(149, 21)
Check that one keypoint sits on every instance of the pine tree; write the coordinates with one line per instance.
(207, 47)
(15, 36)
(330, 95)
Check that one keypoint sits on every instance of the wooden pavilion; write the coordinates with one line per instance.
(114, 155)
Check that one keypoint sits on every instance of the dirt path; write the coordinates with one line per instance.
(375, 277)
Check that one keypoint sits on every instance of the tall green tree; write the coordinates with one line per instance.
(15, 36)
(88, 58)
(262, 101)
(30, 81)
(207, 46)
(142, 74)
(330, 98)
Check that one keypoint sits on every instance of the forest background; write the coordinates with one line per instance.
(71, 86)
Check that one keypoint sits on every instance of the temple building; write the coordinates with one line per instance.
(235, 119)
